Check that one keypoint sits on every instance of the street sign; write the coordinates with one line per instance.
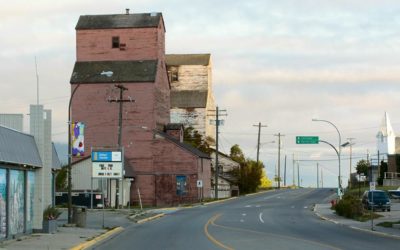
(372, 185)
(199, 183)
(106, 156)
(307, 139)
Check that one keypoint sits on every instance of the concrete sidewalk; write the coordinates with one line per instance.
(70, 237)
(325, 212)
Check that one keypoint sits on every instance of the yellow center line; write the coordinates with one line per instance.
(212, 221)
(210, 237)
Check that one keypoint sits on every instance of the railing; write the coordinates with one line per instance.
(392, 175)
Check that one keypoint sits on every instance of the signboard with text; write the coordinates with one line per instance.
(107, 164)
(307, 139)
(107, 170)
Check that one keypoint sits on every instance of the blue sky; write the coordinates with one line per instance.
(281, 63)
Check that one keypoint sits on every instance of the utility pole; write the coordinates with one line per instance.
(317, 175)
(284, 178)
(298, 175)
(322, 178)
(293, 173)
(120, 101)
(351, 153)
(279, 159)
(258, 141)
(218, 113)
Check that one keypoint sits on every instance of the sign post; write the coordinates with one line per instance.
(107, 164)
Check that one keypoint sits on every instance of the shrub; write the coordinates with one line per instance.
(349, 206)
(51, 213)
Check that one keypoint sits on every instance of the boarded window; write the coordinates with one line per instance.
(115, 42)
(174, 76)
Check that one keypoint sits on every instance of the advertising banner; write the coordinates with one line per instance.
(77, 138)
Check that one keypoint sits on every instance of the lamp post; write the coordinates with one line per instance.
(338, 151)
(70, 156)
(108, 74)
(349, 143)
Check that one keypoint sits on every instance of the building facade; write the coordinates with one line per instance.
(192, 98)
(19, 165)
(129, 50)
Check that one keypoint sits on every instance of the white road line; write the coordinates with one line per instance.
(260, 216)
(244, 214)
(248, 206)
(241, 220)
(258, 206)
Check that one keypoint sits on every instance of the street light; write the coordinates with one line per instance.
(338, 153)
(103, 73)
(70, 157)
(350, 144)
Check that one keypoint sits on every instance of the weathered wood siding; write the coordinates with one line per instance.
(194, 78)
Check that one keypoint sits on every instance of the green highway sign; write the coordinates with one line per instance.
(307, 139)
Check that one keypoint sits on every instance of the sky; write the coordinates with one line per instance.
(281, 63)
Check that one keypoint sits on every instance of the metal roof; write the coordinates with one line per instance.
(142, 20)
(18, 148)
(188, 99)
(117, 71)
(187, 59)
(185, 146)
(56, 163)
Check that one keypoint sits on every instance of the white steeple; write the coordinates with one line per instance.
(386, 137)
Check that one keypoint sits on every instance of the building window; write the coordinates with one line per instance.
(115, 42)
(174, 76)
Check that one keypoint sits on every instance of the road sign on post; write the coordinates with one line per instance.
(372, 186)
(307, 139)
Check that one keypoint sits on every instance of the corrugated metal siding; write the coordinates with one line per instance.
(18, 148)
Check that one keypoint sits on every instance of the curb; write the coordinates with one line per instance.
(262, 192)
(357, 228)
(150, 218)
(97, 239)
(219, 201)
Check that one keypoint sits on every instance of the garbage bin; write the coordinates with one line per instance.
(79, 216)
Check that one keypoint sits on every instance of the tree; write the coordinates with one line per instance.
(196, 140)
(382, 170)
(61, 179)
(362, 167)
(250, 175)
(237, 154)
(265, 182)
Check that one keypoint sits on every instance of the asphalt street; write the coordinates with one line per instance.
(273, 220)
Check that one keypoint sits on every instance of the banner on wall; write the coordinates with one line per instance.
(3, 203)
(77, 138)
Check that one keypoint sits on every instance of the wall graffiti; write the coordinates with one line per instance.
(3, 203)
(29, 200)
(16, 200)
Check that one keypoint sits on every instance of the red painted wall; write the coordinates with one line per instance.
(155, 162)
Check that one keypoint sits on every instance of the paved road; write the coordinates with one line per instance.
(274, 220)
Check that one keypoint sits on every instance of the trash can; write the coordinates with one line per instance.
(79, 216)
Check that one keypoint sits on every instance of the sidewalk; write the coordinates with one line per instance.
(69, 237)
(325, 212)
